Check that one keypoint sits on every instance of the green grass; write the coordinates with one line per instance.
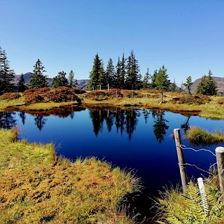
(199, 136)
(176, 208)
(37, 187)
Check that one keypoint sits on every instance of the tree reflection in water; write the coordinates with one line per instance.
(124, 120)
(7, 120)
(185, 126)
(23, 117)
(160, 125)
(40, 121)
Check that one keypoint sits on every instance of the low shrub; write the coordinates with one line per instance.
(191, 99)
(10, 96)
(199, 136)
(221, 101)
(132, 94)
(104, 94)
(61, 94)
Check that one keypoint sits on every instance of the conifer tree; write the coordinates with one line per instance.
(110, 73)
(96, 74)
(102, 77)
(122, 76)
(133, 76)
(60, 80)
(146, 79)
(173, 87)
(207, 86)
(7, 76)
(38, 79)
(188, 84)
(72, 82)
(162, 82)
(116, 81)
(21, 84)
(153, 78)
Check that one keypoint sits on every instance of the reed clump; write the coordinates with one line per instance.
(199, 136)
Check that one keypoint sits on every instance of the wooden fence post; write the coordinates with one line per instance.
(181, 161)
(220, 164)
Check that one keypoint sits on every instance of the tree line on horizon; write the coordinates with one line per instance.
(125, 75)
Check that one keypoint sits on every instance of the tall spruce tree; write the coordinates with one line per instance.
(133, 76)
(162, 81)
(109, 73)
(122, 76)
(72, 82)
(7, 76)
(38, 79)
(97, 74)
(116, 81)
(21, 84)
(60, 80)
(207, 86)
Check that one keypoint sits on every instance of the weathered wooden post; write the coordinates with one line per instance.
(220, 164)
(204, 201)
(181, 161)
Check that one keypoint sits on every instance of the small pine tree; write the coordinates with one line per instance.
(207, 86)
(146, 79)
(162, 81)
(188, 84)
(173, 87)
(21, 84)
(7, 76)
(72, 82)
(38, 79)
(60, 80)
(153, 78)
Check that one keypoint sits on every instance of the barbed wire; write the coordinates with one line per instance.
(198, 150)
(199, 168)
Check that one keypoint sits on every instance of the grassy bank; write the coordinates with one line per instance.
(209, 107)
(175, 208)
(199, 136)
(37, 187)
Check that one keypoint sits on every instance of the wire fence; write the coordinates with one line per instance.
(218, 165)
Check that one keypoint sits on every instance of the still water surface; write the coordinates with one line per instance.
(138, 140)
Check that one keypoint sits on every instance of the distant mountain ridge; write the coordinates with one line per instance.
(82, 83)
(219, 83)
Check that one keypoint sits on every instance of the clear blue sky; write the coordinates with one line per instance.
(187, 36)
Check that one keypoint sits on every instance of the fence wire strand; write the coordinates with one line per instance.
(198, 150)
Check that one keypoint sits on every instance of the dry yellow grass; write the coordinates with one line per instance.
(37, 187)
(213, 108)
